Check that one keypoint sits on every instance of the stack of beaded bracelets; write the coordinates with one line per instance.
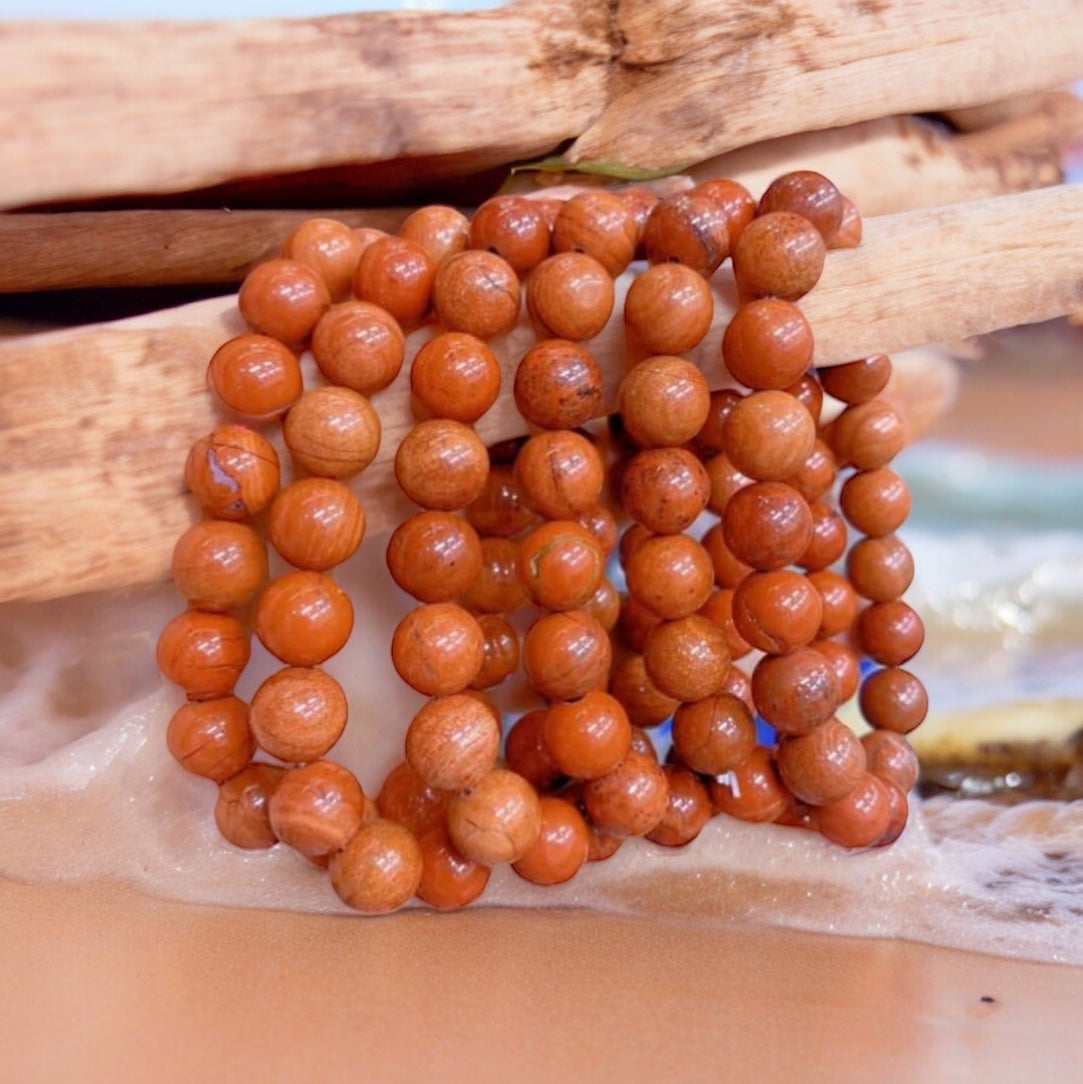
(527, 524)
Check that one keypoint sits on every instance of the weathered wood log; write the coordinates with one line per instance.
(95, 423)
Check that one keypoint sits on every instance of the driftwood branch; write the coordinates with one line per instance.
(95, 423)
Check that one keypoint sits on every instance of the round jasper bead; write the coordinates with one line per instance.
(332, 432)
(560, 474)
(809, 394)
(689, 228)
(713, 735)
(478, 293)
(203, 653)
(304, 618)
(876, 502)
(630, 538)
(844, 662)
(561, 847)
(663, 401)
(368, 235)
(709, 438)
(498, 587)
(898, 815)
(735, 201)
(499, 509)
(297, 714)
(767, 525)
(857, 381)
(828, 540)
(600, 224)
(219, 565)
(449, 880)
(893, 699)
(729, 570)
(570, 295)
(567, 654)
(777, 611)
(497, 820)
(850, 230)
(725, 481)
(241, 811)
(767, 344)
(752, 790)
(688, 810)
(639, 202)
(513, 227)
(880, 569)
(316, 523)
(636, 621)
(500, 656)
(317, 807)
(561, 564)
(738, 684)
(768, 435)
(808, 194)
(668, 309)
(588, 737)
(406, 798)
(665, 489)
(233, 472)
(283, 299)
(440, 230)
(379, 869)
(255, 375)
(644, 702)
(441, 464)
(796, 692)
(558, 385)
(890, 756)
(359, 346)
(631, 799)
(396, 274)
(526, 753)
(211, 737)
(601, 522)
(456, 376)
(604, 605)
(438, 648)
(839, 601)
(434, 556)
(817, 474)
(823, 765)
(687, 659)
(719, 609)
(890, 632)
(330, 248)
(868, 435)
(452, 742)
(778, 254)
(672, 574)
(860, 817)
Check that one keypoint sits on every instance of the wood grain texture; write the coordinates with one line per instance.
(95, 423)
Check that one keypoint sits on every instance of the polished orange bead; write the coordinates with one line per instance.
(768, 435)
(735, 202)
(631, 799)
(601, 522)
(284, 299)
(719, 609)
(600, 224)
(560, 474)
(823, 765)
(729, 570)
(839, 601)
(526, 753)
(891, 756)
(767, 525)
(880, 569)
(890, 632)
(570, 295)
(316, 523)
(406, 798)
(558, 385)
(752, 790)
(668, 309)
(330, 248)
(868, 435)
(440, 230)
(687, 659)
(663, 401)
(588, 737)
(689, 228)
(203, 653)
(850, 228)
(644, 702)
(332, 432)
(438, 648)
(241, 810)
(456, 376)
(434, 556)
(499, 509)
(513, 227)
(688, 810)
(379, 869)
(857, 381)
(566, 654)
(844, 662)
(796, 692)
(498, 587)
(359, 346)
(211, 738)
(396, 274)
(452, 742)
(709, 438)
(304, 618)
(725, 480)
(665, 489)
(778, 254)
(297, 714)
(899, 812)
(737, 683)
(316, 808)
(561, 565)
(497, 820)
(233, 472)
(441, 464)
(255, 375)
(809, 194)
(639, 202)
(893, 699)
(777, 611)
(827, 542)
(670, 574)
(876, 502)
(817, 473)
(478, 293)
(767, 344)
(859, 818)
(714, 735)
(449, 880)
(218, 565)
(561, 847)
(501, 651)
(808, 392)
